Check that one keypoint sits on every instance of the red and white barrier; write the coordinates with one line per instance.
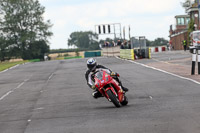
(158, 49)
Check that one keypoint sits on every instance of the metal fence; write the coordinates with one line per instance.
(140, 48)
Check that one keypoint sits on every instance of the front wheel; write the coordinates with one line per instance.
(113, 98)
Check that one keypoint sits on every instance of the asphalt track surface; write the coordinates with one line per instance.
(52, 97)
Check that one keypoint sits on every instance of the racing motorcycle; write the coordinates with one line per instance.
(110, 88)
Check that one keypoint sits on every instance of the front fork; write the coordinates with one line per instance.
(119, 95)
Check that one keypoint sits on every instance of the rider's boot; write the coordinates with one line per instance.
(96, 94)
(120, 83)
(123, 88)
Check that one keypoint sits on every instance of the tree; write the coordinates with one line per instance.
(190, 29)
(23, 24)
(148, 42)
(38, 49)
(85, 39)
(159, 42)
(3, 51)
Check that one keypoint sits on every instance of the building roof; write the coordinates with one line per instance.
(176, 34)
(192, 9)
(180, 16)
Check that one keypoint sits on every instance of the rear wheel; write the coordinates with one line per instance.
(113, 98)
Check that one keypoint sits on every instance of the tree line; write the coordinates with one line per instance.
(23, 31)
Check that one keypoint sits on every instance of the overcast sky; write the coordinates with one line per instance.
(150, 18)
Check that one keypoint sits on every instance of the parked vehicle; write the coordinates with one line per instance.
(195, 38)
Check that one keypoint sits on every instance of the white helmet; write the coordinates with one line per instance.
(91, 64)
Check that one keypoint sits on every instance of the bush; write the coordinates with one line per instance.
(65, 55)
(77, 52)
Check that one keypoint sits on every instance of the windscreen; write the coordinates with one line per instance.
(196, 36)
(99, 75)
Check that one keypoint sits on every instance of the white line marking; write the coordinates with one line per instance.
(14, 66)
(9, 68)
(5, 95)
(162, 71)
(4, 71)
(19, 85)
(51, 76)
(38, 109)
(27, 79)
(151, 97)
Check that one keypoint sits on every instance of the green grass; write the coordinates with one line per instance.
(34, 60)
(6, 65)
(75, 57)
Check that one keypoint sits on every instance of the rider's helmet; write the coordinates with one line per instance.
(91, 64)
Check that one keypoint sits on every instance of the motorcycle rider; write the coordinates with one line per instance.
(92, 67)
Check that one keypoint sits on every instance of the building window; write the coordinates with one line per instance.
(181, 21)
(187, 21)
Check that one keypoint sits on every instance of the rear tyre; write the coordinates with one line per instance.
(113, 98)
(125, 102)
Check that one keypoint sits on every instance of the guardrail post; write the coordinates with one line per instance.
(199, 60)
(194, 58)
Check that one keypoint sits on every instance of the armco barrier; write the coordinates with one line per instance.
(92, 54)
(127, 54)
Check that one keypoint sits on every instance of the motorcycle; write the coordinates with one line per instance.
(110, 88)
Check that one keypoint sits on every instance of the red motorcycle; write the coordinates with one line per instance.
(110, 88)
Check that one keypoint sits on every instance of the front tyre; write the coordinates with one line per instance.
(113, 98)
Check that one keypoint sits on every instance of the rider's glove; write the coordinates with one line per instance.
(93, 87)
(113, 74)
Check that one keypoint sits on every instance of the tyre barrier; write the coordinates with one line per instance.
(158, 49)
(163, 49)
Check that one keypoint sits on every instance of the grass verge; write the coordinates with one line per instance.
(75, 57)
(6, 65)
